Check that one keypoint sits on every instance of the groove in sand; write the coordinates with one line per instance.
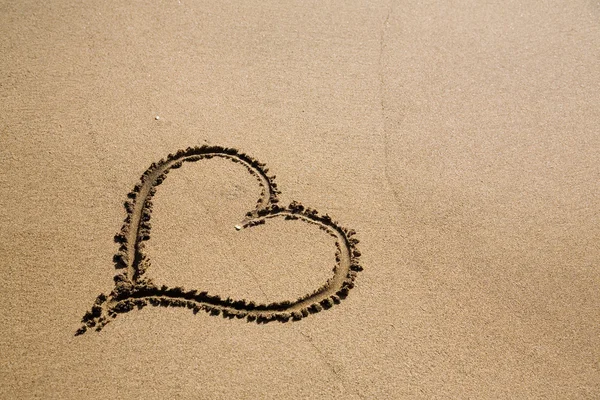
(132, 290)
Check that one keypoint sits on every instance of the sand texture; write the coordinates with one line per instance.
(148, 250)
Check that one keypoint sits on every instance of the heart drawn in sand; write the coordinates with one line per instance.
(134, 291)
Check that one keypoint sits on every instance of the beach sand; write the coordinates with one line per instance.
(458, 139)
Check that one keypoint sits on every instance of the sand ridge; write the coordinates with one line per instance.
(134, 291)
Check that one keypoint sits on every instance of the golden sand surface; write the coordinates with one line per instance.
(458, 141)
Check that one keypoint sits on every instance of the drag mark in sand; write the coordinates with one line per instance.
(134, 291)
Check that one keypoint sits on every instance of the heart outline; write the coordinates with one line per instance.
(132, 290)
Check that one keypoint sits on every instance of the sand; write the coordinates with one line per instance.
(457, 141)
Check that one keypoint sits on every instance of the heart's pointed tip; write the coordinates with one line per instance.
(81, 331)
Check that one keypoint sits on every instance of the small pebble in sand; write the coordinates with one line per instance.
(157, 118)
(237, 227)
